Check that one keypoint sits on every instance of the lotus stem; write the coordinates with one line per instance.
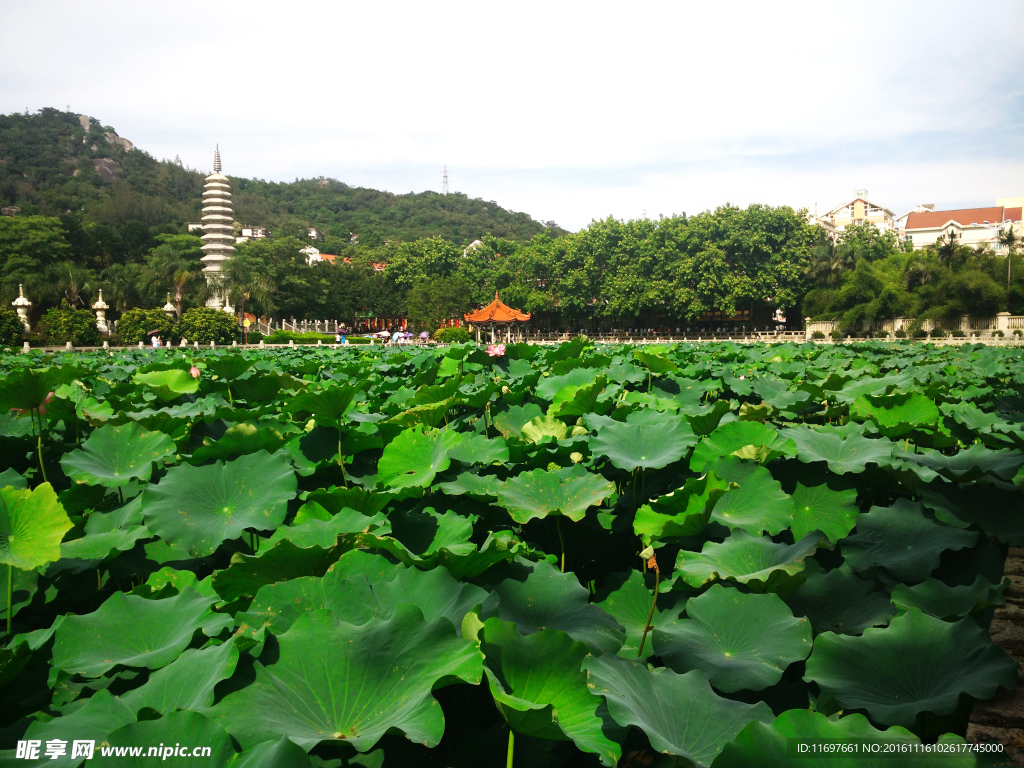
(652, 561)
(511, 745)
(341, 462)
(10, 595)
(39, 447)
(561, 540)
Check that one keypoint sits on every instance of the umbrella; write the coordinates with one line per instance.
(155, 330)
(425, 335)
(408, 335)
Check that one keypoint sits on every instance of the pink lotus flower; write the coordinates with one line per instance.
(194, 372)
(41, 409)
(496, 350)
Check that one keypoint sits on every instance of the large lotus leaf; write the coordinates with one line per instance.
(740, 641)
(630, 604)
(544, 426)
(653, 357)
(684, 512)
(896, 414)
(133, 631)
(569, 492)
(24, 586)
(479, 449)
(277, 606)
(680, 714)
(113, 456)
(32, 524)
(228, 367)
(994, 508)
(539, 688)
(244, 438)
(547, 599)
(548, 387)
(330, 404)
(746, 439)
(840, 601)
(917, 664)
(11, 478)
(969, 464)
(27, 388)
(579, 400)
(511, 422)
(168, 385)
(415, 457)
(647, 440)
(851, 453)
(190, 729)
(776, 745)
(390, 668)
(196, 508)
(424, 532)
(187, 682)
(945, 602)
(755, 502)
(819, 508)
(282, 561)
(317, 532)
(745, 559)
(88, 551)
(283, 753)
(100, 714)
(902, 540)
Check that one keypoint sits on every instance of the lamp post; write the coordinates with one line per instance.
(101, 308)
(21, 306)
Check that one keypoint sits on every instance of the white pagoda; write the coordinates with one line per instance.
(218, 237)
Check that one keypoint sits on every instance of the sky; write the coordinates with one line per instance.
(568, 111)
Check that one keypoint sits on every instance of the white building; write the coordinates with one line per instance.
(860, 210)
(976, 227)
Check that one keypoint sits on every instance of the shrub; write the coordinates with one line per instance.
(1018, 333)
(818, 335)
(135, 325)
(452, 335)
(205, 324)
(359, 340)
(283, 337)
(63, 324)
(11, 329)
(958, 334)
(999, 334)
(920, 333)
(836, 335)
(901, 334)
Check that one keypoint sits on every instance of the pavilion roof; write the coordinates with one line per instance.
(496, 312)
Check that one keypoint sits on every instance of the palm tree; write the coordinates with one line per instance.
(71, 280)
(121, 282)
(167, 271)
(245, 279)
(1010, 239)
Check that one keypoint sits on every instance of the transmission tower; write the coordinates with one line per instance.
(444, 182)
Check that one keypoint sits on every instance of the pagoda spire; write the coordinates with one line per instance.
(218, 234)
(216, 159)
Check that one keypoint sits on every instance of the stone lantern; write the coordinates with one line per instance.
(101, 308)
(21, 306)
(168, 307)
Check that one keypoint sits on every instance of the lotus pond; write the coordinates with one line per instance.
(571, 555)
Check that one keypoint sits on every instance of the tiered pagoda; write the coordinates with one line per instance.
(498, 316)
(218, 237)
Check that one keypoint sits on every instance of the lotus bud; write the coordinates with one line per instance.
(194, 372)
(576, 457)
(505, 390)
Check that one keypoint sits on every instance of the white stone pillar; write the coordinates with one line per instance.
(101, 308)
(807, 328)
(22, 306)
(1003, 322)
(168, 308)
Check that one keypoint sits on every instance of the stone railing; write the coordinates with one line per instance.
(979, 326)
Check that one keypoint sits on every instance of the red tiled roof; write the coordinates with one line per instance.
(963, 216)
(328, 257)
(496, 312)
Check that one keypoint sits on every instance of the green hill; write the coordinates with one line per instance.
(56, 163)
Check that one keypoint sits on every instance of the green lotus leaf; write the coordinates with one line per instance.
(684, 512)
(483, 487)
(316, 532)
(11, 478)
(391, 666)
(330, 404)
(283, 753)
(647, 440)
(774, 746)
(32, 524)
(133, 631)
(629, 604)
(704, 419)
(896, 414)
(187, 682)
(414, 458)
(898, 672)
(945, 602)
(23, 587)
(244, 438)
(578, 400)
(902, 540)
(746, 439)
(113, 456)
(819, 508)
(196, 508)
(967, 465)
(745, 559)
(755, 502)
(540, 690)
(549, 386)
(843, 454)
(95, 412)
(27, 388)
(190, 729)
(547, 599)
(511, 422)
(88, 551)
(544, 426)
(653, 358)
(168, 385)
(280, 562)
(228, 367)
(425, 532)
(479, 449)
(840, 601)
(993, 508)
(680, 714)
(539, 493)
(740, 641)
(100, 714)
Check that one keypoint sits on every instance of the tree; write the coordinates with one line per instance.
(62, 324)
(248, 279)
(1008, 238)
(72, 281)
(122, 282)
(431, 302)
(204, 324)
(168, 271)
